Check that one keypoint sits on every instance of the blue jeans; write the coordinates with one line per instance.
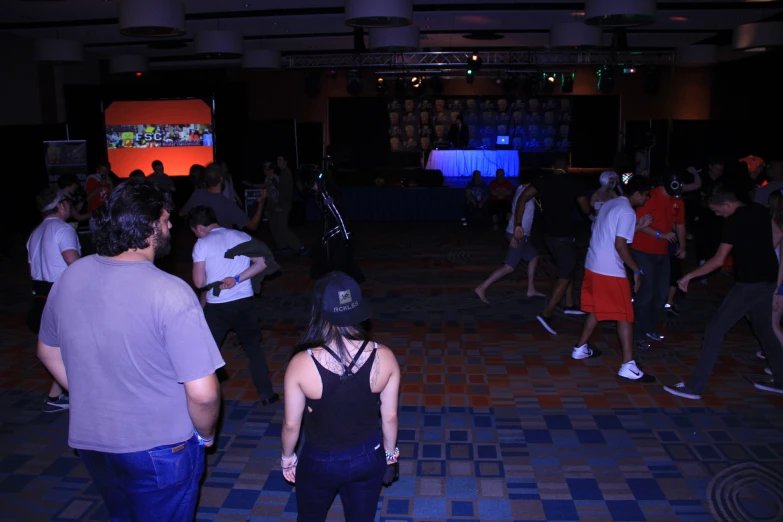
(355, 473)
(649, 301)
(159, 484)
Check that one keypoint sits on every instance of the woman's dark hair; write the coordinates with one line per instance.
(201, 215)
(129, 217)
(137, 174)
(321, 332)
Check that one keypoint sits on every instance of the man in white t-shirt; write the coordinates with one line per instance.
(606, 291)
(518, 250)
(52, 246)
(230, 306)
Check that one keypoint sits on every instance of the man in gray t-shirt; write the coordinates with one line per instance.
(229, 215)
(131, 345)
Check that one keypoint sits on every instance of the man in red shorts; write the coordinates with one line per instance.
(606, 291)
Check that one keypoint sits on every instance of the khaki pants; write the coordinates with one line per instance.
(278, 224)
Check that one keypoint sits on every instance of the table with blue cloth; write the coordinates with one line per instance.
(398, 204)
(462, 163)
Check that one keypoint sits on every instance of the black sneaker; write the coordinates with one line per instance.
(62, 403)
(672, 309)
(270, 400)
(681, 390)
(570, 310)
(546, 322)
(655, 337)
(641, 346)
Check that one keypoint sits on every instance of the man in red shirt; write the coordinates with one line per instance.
(651, 246)
(500, 198)
(98, 187)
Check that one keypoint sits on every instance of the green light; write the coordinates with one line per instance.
(470, 71)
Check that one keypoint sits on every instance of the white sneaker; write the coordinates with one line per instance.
(585, 352)
(632, 372)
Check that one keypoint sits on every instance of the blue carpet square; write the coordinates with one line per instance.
(431, 451)
(490, 509)
(560, 510)
(426, 507)
(241, 499)
(538, 437)
(625, 511)
(397, 507)
(461, 508)
(645, 489)
(584, 489)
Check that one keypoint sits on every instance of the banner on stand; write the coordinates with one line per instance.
(65, 157)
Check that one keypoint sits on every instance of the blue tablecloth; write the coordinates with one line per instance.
(398, 204)
(462, 163)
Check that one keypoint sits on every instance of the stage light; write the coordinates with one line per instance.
(354, 86)
(605, 79)
(475, 62)
(139, 73)
(416, 82)
(469, 76)
(548, 82)
(567, 83)
(380, 85)
(629, 70)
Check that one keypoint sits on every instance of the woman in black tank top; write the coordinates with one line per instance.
(346, 388)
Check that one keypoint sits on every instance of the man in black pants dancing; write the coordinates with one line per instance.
(747, 235)
(232, 307)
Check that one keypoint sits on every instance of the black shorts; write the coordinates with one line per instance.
(563, 250)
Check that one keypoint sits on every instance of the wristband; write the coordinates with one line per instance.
(780, 290)
(236, 278)
(393, 455)
(202, 440)
(658, 235)
(640, 272)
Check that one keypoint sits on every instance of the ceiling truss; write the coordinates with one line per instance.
(491, 59)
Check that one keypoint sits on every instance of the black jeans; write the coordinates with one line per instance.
(755, 301)
(355, 473)
(649, 301)
(241, 316)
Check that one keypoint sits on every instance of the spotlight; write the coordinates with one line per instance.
(548, 82)
(416, 82)
(567, 83)
(381, 86)
(354, 86)
(629, 70)
(469, 76)
(475, 62)
(139, 73)
(605, 79)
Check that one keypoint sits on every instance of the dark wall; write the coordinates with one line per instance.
(748, 106)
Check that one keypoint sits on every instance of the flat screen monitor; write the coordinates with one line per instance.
(502, 140)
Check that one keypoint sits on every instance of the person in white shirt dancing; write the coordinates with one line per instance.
(52, 247)
(606, 291)
(518, 250)
(230, 308)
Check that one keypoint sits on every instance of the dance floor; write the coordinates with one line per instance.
(497, 422)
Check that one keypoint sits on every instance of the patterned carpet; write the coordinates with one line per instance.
(497, 422)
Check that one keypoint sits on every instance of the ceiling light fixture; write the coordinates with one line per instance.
(152, 18)
(678, 18)
(378, 13)
(619, 13)
(758, 36)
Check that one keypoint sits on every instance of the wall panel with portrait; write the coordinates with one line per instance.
(533, 124)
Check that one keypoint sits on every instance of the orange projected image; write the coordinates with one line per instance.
(177, 132)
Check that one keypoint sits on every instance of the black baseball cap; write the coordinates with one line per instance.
(342, 303)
